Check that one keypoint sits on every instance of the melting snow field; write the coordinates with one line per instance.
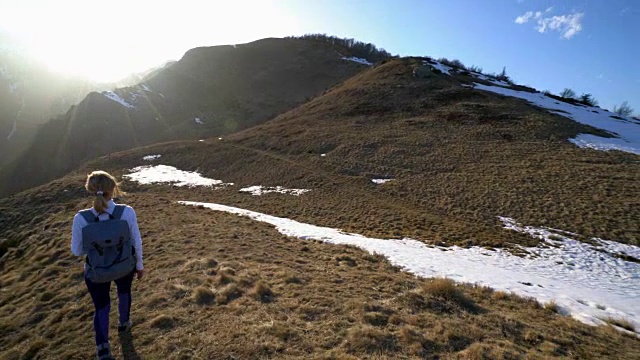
(151, 157)
(169, 174)
(261, 190)
(585, 282)
(627, 131)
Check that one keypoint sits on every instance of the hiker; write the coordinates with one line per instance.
(109, 237)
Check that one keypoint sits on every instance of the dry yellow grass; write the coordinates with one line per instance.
(620, 322)
(355, 307)
(277, 297)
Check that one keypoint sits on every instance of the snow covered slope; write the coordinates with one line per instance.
(625, 131)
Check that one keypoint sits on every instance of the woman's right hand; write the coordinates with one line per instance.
(139, 274)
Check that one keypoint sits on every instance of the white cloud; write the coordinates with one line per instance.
(524, 18)
(568, 25)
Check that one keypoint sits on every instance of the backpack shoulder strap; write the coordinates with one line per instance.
(88, 216)
(118, 211)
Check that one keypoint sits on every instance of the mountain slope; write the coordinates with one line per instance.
(210, 91)
(220, 286)
(460, 152)
(31, 94)
(225, 286)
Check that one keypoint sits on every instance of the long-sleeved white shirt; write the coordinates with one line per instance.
(128, 214)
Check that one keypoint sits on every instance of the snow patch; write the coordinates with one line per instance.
(585, 283)
(358, 60)
(145, 87)
(439, 66)
(446, 69)
(198, 121)
(261, 190)
(381, 181)
(115, 97)
(151, 157)
(169, 174)
(134, 97)
(490, 79)
(627, 131)
(604, 144)
(14, 128)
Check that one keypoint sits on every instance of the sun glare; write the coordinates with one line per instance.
(107, 41)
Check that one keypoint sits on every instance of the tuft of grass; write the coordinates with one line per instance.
(282, 331)
(447, 290)
(46, 296)
(346, 259)
(203, 295)
(411, 337)
(552, 306)
(374, 258)
(34, 349)
(12, 354)
(501, 295)
(262, 292)
(620, 322)
(413, 301)
(178, 291)
(227, 294)
(369, 339)
(226, 276)
(293, 279)
(376, 319)
(199, 265)
(164, 322)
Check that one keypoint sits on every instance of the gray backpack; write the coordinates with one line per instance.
(108, 245)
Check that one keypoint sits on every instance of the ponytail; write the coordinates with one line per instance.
(99, 202)
(104, 187)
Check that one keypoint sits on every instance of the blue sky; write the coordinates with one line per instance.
(589, 46)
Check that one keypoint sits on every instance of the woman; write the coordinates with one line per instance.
(104, 187)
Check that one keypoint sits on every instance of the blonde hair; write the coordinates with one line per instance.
(104, 187)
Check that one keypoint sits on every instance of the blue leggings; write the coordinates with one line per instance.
(102, 302)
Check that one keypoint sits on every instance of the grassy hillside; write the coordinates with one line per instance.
(220, 286)
(460, 157)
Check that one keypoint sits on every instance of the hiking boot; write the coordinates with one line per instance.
(125, 327)
(104, 352)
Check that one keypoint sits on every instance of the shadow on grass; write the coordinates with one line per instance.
(128, 349)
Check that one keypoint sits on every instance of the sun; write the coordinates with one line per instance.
(107, 41)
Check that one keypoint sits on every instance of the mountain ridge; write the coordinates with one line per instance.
(210, 91)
